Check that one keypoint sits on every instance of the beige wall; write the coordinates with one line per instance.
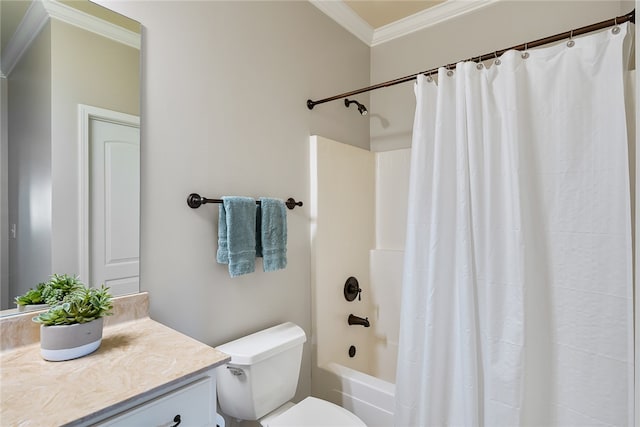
(498, 26)
(224, 112)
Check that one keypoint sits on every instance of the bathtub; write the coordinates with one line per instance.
(370, 398)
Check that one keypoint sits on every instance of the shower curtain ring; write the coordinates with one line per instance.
(449, 72)
(480, 65)
(497, 61)
(525, 54)
(571, 43)
(615, 29)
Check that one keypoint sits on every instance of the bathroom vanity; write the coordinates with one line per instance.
(143, 371)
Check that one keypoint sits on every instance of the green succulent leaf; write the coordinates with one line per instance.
(52, 292)
(32, 296)
(80, 306)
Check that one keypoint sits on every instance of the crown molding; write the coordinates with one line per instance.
(91, 23)
(347, 18)
(30, 26)
(39, 14)
(351, 21)
(427, 18)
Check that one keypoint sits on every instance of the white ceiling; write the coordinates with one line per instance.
(378, 21)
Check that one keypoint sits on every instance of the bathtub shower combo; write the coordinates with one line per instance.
(515, 274)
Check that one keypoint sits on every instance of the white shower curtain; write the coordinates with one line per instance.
(517, 292)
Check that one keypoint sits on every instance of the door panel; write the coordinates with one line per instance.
(114, 206)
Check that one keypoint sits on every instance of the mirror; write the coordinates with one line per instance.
(70, 126)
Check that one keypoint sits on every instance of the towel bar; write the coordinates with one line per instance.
(195, 201)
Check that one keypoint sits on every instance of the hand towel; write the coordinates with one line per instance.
(273, 234)
(258, 232)
(237, 246)
(222, 254)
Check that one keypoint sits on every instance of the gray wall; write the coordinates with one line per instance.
(224, 90)
(498, 26)
(29, 171)
(4, 197)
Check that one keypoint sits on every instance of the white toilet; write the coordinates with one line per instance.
(262, 377)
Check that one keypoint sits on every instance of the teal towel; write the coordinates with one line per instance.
(258, 232)
(222, 255)
(273, 234)
(237, 235)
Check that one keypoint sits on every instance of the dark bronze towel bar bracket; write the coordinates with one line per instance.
(195, 201)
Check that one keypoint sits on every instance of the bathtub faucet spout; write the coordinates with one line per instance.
(355, 320)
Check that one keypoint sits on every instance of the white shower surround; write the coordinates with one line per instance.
(356, 195)
(341, 205)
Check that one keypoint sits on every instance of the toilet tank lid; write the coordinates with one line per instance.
(263, 344)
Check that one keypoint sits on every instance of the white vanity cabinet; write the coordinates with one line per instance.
(190, 404)
(143, 374)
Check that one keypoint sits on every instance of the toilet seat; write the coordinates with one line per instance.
(314, 412)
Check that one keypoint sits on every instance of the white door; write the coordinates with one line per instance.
(114, 209)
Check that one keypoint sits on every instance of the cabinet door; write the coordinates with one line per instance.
(194, 404)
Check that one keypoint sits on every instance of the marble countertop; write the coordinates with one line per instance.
(136, 358)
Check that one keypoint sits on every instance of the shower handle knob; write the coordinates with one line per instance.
(352, 289)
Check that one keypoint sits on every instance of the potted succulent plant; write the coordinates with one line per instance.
(73, 327)
(48, 293)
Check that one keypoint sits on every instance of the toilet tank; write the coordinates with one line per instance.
(263, 372)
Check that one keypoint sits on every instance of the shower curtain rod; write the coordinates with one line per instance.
(631, 17)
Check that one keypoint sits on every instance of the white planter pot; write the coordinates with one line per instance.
(67, 342)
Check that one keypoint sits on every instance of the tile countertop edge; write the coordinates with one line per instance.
(141, 357)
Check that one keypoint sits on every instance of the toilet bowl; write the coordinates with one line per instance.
(262, 376)
(312, 412)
